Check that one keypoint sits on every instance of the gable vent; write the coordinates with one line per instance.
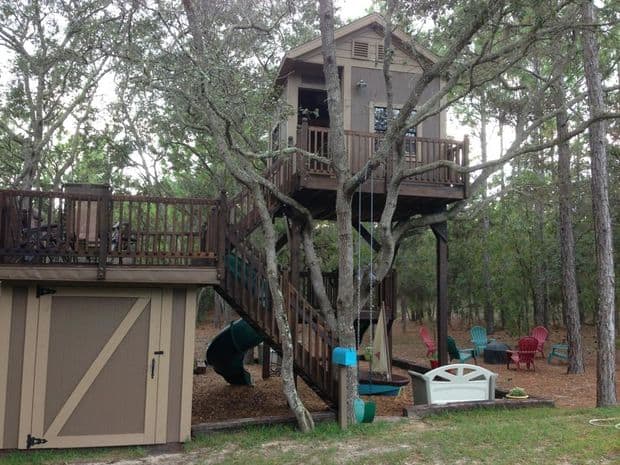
(380, 52)
(360, 50)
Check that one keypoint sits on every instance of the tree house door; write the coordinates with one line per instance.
(95, 369)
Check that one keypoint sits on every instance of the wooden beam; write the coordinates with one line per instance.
(294, 242)
(441, 235)
(241, 423)
(266, 359)
(281, 242)
(366, 235)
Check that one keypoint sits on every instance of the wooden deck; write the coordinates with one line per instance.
(314, 185)
(80, 237)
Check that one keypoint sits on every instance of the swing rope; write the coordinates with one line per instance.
(359, 269)
(371, 276)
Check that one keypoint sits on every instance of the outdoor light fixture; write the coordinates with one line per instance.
(361, 84)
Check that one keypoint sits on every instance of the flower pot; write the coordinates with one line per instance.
(508, 396)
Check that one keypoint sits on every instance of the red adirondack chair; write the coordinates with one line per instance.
(541, 334)
(425, 334)
(526, 350)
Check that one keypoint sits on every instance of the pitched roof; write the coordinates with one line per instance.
(373, 19)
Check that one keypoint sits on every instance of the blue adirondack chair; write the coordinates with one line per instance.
(479, 339)
(462, 355)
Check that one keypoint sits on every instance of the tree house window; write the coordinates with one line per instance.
(360, 50)
(381, 125)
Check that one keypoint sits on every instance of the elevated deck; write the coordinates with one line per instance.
(86, 237)
(313, 183)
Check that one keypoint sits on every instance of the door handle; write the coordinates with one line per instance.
(157, 352)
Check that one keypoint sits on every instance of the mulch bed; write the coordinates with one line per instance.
(216, 400)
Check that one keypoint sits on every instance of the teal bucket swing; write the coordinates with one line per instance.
(364, 410)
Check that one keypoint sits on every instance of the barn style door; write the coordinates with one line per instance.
(95, 368)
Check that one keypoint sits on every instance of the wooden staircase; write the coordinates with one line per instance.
(243, 284)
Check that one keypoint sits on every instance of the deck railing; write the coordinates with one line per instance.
(103, 229)
(361, 146)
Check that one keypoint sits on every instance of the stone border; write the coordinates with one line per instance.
(242, 423)
(422, 411)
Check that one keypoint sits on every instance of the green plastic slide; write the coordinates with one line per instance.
(227, 350)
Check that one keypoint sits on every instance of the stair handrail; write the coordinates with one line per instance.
(312, 349)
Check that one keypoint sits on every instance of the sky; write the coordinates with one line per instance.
(353, 9)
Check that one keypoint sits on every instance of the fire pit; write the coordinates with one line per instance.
(495, 353)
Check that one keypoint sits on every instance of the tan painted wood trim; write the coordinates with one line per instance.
(413, 68)
(102, 292)
(119, 274)
(150, 407)
(188, 365)
(347, 99)
(96, 440)
(95, 368)
(40, 377)
(163, 369)
(6, 311)
(28, 367)
(292, 98)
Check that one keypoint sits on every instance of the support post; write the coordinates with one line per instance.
(343, 357)
(465, 163)
(266, 360)
(222, 226)
(295, 253)
(441, 235)
(295, 279)
(342, 397)
(302, 138)
(104, 212)
(302, 143)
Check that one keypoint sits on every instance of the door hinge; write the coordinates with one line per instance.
(32, 441)
(44, 291)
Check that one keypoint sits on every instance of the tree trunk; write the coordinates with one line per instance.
(344, 303)
(304, 419)
(605, 327)
(486, 258)
(570, 302)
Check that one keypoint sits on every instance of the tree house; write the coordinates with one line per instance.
(97, 293)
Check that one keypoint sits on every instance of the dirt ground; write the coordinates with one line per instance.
(216, 400)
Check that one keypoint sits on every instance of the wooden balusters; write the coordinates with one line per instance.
(103, 229)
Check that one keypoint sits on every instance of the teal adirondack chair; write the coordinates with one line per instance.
(462, 355)
(479, 339)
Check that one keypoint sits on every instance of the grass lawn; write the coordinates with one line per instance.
(529, 436)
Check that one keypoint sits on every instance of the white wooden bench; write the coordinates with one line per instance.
(458, 382)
